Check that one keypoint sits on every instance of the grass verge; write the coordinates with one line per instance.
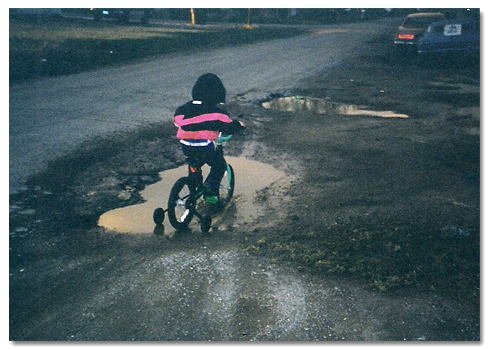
(64, 46)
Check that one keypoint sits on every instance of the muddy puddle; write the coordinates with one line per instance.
(325, 106)
(250, 177)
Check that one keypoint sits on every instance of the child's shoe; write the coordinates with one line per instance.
(211, 199)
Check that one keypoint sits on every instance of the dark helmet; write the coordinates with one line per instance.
(209, 89)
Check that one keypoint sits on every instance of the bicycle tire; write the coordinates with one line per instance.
(158, 216)
(227, 186)
(181, 204)
(206, 224)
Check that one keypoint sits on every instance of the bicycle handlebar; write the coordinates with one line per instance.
(223, 138)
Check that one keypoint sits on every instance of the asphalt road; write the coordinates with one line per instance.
(72, 280)
(47, 118)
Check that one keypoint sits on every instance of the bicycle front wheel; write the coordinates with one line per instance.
(181, 204)
(227, 186)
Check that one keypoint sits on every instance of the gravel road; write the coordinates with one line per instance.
(362, 197)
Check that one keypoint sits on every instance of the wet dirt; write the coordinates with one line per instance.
(137, 218)
(374, 237)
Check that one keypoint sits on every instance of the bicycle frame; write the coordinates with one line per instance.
(195, 168)
(196, 189)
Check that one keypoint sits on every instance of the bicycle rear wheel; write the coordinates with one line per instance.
(181, 204)
(227, 186)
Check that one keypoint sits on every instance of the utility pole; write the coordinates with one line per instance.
(193, 19)
(247, 26)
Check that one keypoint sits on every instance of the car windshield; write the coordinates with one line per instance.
(418, 21)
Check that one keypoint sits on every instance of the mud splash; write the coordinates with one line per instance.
(250, 177)
(324, 106)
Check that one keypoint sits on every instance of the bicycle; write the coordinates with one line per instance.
(187, 195)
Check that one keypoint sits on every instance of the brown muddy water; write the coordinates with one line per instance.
(325, 106)
(250, 178)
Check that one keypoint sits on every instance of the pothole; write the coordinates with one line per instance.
(250, 178)
(325, 106)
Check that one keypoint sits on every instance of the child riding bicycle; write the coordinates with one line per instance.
(199, 123)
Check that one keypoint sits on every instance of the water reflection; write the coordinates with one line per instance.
(323, 106)
(251, 176)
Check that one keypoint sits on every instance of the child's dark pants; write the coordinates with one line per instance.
(213, 156)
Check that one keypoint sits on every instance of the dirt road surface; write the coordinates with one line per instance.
(53, 116)
(372, 234)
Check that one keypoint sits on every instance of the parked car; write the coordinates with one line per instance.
(452, 36)
(412, 27)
